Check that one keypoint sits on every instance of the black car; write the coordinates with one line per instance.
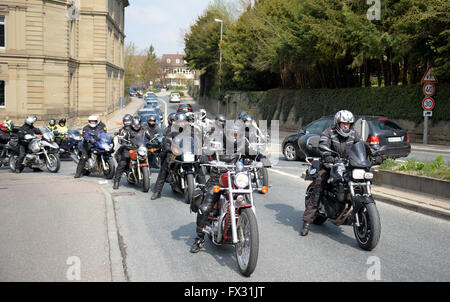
(185, 108)
(378, 131)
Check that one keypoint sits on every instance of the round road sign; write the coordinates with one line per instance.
(428, 89)
(428, 103)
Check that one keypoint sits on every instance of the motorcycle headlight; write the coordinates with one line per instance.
(78, 138)
(358, 174)
(188, 157)
(368, 175)
(106, 147)
(142, 151)
(35, 147)
(241, 180)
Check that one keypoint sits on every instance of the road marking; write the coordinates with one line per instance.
(285, 174)
(165, 110)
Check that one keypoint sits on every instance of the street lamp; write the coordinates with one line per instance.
(220, 60)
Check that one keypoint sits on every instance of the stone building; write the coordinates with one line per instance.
(61, 58)
(175, 71)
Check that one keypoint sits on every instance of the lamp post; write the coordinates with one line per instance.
(220, 61)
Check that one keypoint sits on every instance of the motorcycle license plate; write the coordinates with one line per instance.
(395, 139)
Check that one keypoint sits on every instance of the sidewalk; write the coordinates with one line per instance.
(66, 234)
(114, 121)
(414, 201)
(441, 149)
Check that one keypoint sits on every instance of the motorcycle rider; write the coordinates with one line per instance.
(9, 123)
(27, 128)
(51, 125)
(153, 129)
(179, 126)
(90, 135)
(61, 131)
(241, 114)
(4, 138)
(170, 120)
(126, 137)
(337, 138)
(230, 139)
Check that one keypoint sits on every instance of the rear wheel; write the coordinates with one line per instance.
(368, 232)
(247, 247)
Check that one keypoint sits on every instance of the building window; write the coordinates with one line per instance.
(2, 32)
(178, 61)
(2, 93)
(168, 61)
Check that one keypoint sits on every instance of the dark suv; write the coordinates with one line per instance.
(376, 130)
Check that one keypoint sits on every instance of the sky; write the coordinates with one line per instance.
(161, 23)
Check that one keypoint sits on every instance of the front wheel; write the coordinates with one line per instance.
(109, 168)
(54, 162)
(189, 188)
(368, 232)
(247, 247)
(146, 179)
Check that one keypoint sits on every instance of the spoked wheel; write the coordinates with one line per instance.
(368, 232)
(289, 152)
(248, 242)
(54, 163)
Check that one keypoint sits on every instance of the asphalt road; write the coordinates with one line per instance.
(155, 237)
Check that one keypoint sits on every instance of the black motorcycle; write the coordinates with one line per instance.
(183, 167)
(69, 143)
(347, 197)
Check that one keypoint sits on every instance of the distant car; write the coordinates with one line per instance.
(140, 94)
(150, 93)
(132, 92)
(153, 103)
(378, 131)
(174, 97)
(185, 108)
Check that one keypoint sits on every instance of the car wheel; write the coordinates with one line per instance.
(289, 152)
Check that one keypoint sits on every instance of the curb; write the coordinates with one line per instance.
(415, 207)
(115, 254)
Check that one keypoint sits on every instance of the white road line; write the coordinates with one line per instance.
(286, 174)
(165, 110)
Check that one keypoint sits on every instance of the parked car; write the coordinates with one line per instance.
(174, 97)
(132, 92)
(140, 94)
(185, 108)
(378, 131)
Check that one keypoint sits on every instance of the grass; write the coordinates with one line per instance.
(435, 169)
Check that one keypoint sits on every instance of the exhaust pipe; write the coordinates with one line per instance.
(75, 158)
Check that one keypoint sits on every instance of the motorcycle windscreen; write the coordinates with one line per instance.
(104, 137)
(357, 156)
(139, 140)
(183, 144)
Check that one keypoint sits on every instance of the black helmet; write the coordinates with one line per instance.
(127, 119)
(62, 120)
(151, 118)
(52, 122)
(241, 114)
(136, 123)
(171, 118)
(247, 118)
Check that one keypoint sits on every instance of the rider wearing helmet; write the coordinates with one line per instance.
(90, 135)
(127, 134)
(241, 114)
(337, 139)
(27, 128)
(51, 125)
(61, 131)
(4, 137)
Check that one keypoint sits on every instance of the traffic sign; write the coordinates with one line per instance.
(429, 89)
(428, 113)
(428, 103)
(429, 77)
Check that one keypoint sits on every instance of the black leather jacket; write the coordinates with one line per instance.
(335, 142)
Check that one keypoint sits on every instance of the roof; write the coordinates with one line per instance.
(173, 60)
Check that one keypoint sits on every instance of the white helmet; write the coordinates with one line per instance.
(93, 121)
(343, 116)
(30, 120)
(202, 114)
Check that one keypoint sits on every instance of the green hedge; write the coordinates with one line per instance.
(398, 102)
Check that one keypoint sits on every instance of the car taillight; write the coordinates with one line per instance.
(383, 118)
(373, 140)
(190, 108)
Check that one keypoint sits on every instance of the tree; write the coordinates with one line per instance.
(149, 69)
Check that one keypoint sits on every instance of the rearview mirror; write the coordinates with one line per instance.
(301, 131)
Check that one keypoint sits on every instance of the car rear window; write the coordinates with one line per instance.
(385, 124)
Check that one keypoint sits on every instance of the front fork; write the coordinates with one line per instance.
(352, 191)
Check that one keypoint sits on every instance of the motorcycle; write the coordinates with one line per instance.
(347, 197)
(233, 220)
(182, 167)
(138, 171)
(42, 151)
(100, 159)
(70, 142)
(260, 174)
(155, 146)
